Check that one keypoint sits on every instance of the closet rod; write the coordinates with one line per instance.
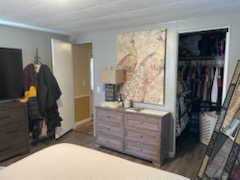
(216, 63)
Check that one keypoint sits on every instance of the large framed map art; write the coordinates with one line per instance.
(142, 56)
(222, 159)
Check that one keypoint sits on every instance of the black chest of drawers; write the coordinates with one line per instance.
(14, 138)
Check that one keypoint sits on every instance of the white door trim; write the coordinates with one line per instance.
(66, 101)
(226, 68)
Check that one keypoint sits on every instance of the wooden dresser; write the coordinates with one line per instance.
(14, 137)
(143, 134)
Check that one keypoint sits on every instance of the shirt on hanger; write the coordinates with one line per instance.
(214, 94)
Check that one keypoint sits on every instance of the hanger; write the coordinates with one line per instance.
(37, 62)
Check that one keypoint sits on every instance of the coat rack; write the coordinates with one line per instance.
(37, 58)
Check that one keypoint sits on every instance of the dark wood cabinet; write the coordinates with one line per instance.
(14, 139)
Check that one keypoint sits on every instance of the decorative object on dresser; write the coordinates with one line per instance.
(14, 138)
(111, 92)
(143, 133)
(112, 78)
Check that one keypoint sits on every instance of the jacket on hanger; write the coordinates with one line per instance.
(48, 94)
(29, 82)
(30, 97)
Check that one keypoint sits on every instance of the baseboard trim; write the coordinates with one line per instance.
(82, 122)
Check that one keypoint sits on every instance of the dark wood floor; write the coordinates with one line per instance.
(186, 162)
(86, 128)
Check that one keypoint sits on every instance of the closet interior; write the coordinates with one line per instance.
(201, 59)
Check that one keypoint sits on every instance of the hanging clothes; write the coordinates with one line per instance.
(48, 94)
(199, 89)
(214, 94)
(30, 92)
(41, 95)
(30, 97)
(220, 86)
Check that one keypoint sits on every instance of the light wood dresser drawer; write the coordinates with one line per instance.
(110, 141)
(117, 124)
(109, 122)
(111, 130)
(142, 121)
(141, 135)
(145, 151)
(109, 115)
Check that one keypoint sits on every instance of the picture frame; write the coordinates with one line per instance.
(142, 55)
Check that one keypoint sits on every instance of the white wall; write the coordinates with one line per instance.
(28, 41)
(104, 52)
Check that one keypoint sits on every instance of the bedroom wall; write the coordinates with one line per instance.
(104, 53)
(28, 41)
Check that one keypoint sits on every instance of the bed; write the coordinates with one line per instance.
(73, 162)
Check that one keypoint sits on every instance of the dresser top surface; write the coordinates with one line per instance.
(154, 112)
(140, 111)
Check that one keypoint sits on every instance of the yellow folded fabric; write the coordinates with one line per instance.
(32, 92)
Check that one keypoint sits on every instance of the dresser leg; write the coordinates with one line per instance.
(156, 164)
(97, 146)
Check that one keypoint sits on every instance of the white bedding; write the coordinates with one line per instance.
(72, 162)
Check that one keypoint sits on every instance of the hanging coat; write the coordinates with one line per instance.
(30, 96)
(48, 94)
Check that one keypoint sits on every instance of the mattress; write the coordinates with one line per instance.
(72, 162)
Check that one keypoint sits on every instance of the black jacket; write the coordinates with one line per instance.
(48, 93)
(30, 80)
(48, 89)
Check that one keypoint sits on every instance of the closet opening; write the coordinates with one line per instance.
(200, 86)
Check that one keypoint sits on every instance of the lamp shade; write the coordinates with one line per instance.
(113, 76)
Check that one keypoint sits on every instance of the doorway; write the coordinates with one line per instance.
(83, 87)
(200, 85)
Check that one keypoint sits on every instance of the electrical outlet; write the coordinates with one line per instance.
(98, 89)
